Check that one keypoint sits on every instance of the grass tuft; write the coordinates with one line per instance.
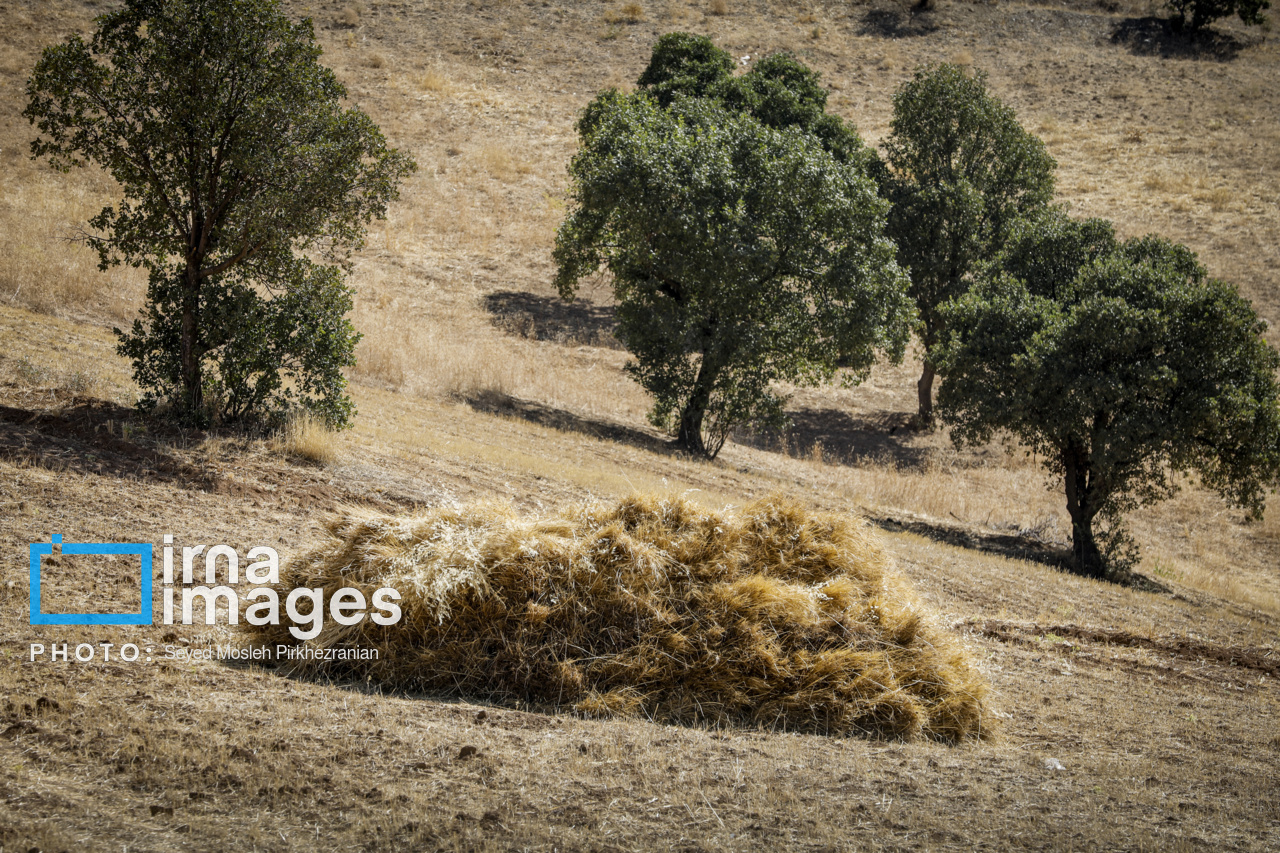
(433, 80)
(307, 438)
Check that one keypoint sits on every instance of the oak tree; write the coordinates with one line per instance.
(246, 185)
(741, 255)
(1120, 363)
(961, 170)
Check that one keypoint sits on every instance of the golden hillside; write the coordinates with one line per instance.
(1158, 699)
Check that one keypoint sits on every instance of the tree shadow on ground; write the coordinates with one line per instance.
(82, 437)
(550, 318)
(495, 402)
(1016, 545)
(897, 23)
(1022, 545)
(1151, 36)
(836, 435)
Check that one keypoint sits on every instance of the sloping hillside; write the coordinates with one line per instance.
(1157, 699)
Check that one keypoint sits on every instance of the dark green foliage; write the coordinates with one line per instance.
(270, 355)
(1119, 363)
(779, 91)
(961, 170)
(1205, 12)
(239, 169)
(685, 64)
(741, 256)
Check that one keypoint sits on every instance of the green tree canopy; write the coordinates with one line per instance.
(685, 64)
(779, 91)
(741, 256)
(246, 187)
(961, 171)
(1119, 363)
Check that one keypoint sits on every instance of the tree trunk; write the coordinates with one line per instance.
(924, 387)
(690, 435)
(192, 379)
(924, 390)
(1082, 506)
(695, 410)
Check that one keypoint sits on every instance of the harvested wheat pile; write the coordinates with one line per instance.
(775, 616)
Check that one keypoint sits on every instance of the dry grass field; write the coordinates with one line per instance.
(1158, 699)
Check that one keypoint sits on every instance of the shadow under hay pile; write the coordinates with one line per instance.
(774, 617)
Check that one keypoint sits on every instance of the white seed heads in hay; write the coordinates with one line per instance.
(774, 616)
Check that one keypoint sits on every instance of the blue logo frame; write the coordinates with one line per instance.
(142, 617)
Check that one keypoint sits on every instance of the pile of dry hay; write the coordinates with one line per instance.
(776, 617)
